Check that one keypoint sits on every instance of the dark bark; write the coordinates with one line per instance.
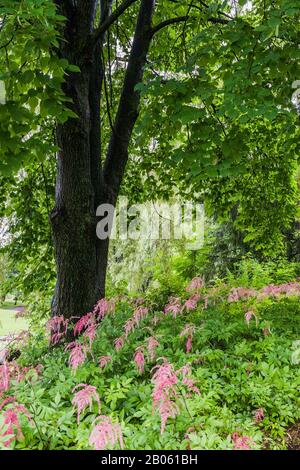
(82, 184)
(73, 218)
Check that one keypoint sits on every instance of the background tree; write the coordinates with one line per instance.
(214, 80)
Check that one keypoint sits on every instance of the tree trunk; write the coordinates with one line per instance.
(78, 171)
(82, 184)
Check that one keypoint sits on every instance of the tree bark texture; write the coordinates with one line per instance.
(84, 180)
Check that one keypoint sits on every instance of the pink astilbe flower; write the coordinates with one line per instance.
(187, 379)
(12, 371)
(129, 326)
(195, 284)
(241, 293)
(192, 302)
(167, 409)
(57, 323)
(173, 306)
(165, 393)
(164, 380)
(244, 293)
(84, 398)
(77, 354)
(119, 343)
(104, 360)
(289, 289)
(189, 344)
(188, 331)
(249, 315)
(106, 434)
(4, 377)
(139, 360)
(152, 344)
(6, 401)
(83, 323)
(58, 327)
(205, 302)
(27, 372)
(139, 314)
(242, 442)
(103, 307)
(90, 334)
(56, 337)
(11, 424)
(259, 415)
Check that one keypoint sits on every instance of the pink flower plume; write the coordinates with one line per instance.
(104, 360)
(84, 398)
(139, 360)
(106, 434)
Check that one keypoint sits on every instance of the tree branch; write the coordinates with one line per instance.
(127, 113)
(165, 23)
(103, 27)
(211, 19)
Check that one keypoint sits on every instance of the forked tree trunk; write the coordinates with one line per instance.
(82, 181)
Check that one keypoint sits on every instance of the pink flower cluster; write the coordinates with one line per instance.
(241, 293)
(12, 371)
(192, 302)
(87, 327)
(4, 377)
(173, 306)
(57, 326)
(138, 315)
(103, 307)
(83, 323)
(78, 354)
(242, 442)
(259, 415)
(139, 356)
(90, 334)
(188, 332)
(84, 398)
(119, 343)
(249, 315)
(152, 344)
(165, 392)
(139, 360)
(195, 284)
(11, 425)
(106, 434)
(104, 360)
(244, 293)
(289, 289)
(187, 380)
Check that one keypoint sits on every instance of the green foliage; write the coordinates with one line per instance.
(29, 251)
(224, 123)
(33, 76)
(237, 367)
(250, 273)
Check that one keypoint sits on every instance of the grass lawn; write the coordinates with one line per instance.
(8, 322)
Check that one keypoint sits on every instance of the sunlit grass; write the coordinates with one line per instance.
(10, 324)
